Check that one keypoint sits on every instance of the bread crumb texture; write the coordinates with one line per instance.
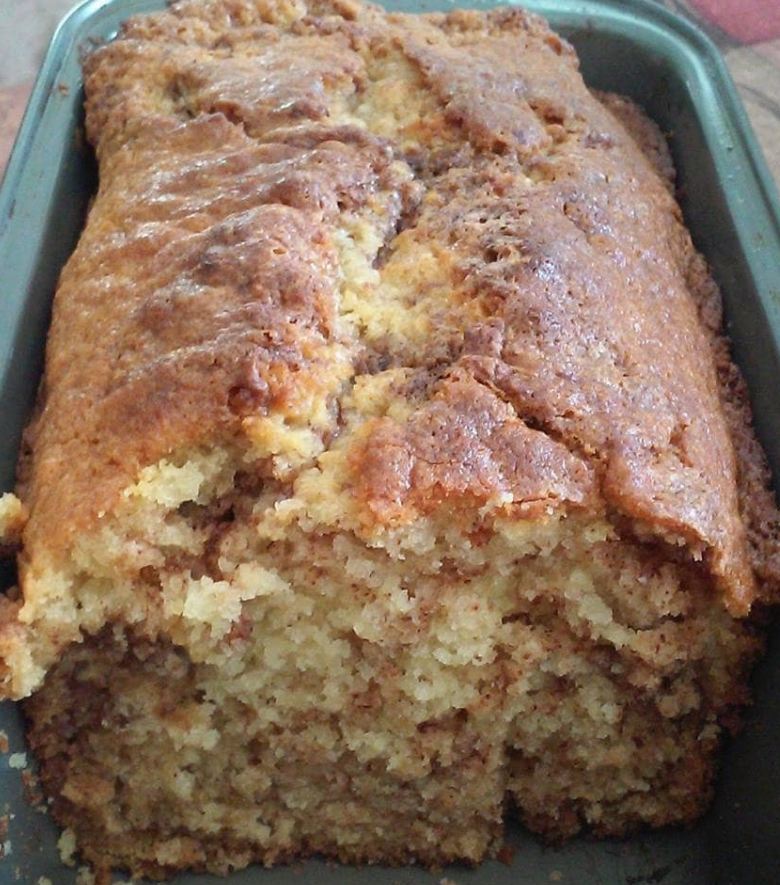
(12, 519)
(390, 470)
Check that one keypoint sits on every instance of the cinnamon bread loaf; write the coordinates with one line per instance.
(390, 470)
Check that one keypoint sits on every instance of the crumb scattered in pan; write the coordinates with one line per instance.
(85, 876)
(556, 876)
(12, 519)
(66, 845)
(4, 745)
(33, 792)
(17, 760)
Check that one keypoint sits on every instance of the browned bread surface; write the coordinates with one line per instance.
(205, 287)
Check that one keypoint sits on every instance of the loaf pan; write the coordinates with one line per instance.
(730, 203)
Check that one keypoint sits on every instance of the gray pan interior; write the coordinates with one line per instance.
(731, 205)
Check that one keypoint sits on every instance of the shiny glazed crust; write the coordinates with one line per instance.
(422, 306)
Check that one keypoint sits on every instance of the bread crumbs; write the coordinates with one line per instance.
(66, 845)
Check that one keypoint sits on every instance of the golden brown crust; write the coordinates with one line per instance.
(227, 304)
(643, 131)
(207, 263)
(462, 448)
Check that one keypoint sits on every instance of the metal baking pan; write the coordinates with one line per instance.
(632, 46)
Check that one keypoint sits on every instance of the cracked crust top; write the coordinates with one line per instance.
(266, 231)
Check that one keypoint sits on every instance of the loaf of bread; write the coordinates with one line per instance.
(390, 471)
